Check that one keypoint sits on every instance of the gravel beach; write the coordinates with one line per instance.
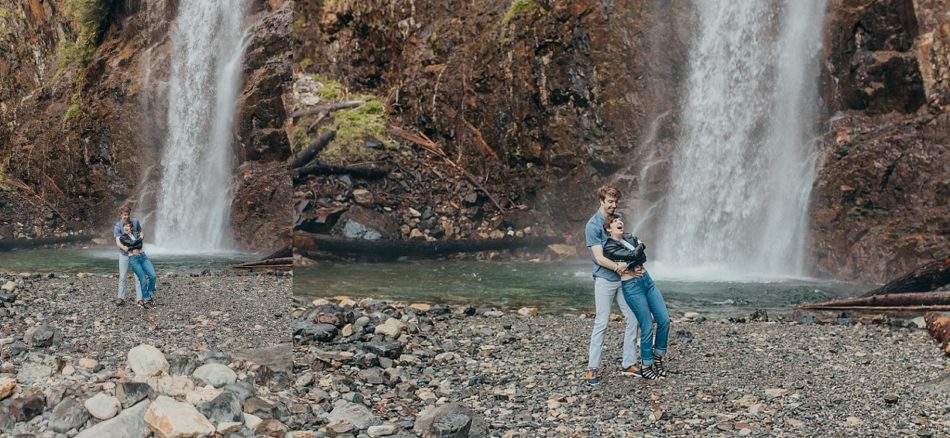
(212, 358)
(506, 374)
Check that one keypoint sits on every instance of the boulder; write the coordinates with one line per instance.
(129, 423)
(356, 414)
(68, 414)
(130, 393)
(103, 406)
(172, 419)
(146, 360)
(216, 375)
(7, 385)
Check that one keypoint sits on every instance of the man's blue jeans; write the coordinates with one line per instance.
(145, 272)
(647, 303)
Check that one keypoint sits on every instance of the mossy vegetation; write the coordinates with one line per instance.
(355, 128)
(517, 8)
(329, 89)
(74, 109)
(91, 16)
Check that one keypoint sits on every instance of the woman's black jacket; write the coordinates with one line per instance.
(618, 252)
(131, 242)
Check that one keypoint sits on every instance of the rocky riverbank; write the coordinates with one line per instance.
(377, 368)
(70, 361)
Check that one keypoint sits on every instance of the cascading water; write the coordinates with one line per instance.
(742, 172)
(195, 198)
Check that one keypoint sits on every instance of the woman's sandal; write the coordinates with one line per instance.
(141, 304)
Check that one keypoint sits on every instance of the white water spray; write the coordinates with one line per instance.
(743, 169)
(195, 199)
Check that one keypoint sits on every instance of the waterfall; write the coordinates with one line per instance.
(197, 161)
(743, 167)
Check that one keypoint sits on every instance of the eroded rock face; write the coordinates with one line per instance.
(880, 201)
(81, 139)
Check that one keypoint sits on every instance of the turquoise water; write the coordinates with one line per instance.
(558, 286)
(105, 260)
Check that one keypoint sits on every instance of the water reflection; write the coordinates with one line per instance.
(561, 286)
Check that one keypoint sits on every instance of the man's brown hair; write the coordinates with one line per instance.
(604, 191)
(125, 209)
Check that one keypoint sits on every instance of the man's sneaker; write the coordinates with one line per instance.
(631, 370)
(658, 366)
(592, 377)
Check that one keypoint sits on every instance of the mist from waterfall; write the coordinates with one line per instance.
(206, 56)
(742, 171)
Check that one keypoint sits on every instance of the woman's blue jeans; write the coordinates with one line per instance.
(647, 303)
(145, 273)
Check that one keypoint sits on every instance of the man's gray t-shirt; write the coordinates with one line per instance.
(595, 235)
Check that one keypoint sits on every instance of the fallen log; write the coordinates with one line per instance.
(328, 108)
(938, 325)
(926, 277)
(283, 262)
(9, 244)
(307, 155)
(364, 172)
(888, 300)
(393, 249)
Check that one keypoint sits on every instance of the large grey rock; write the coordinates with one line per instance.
(34, 373)
(242, 390)
(356, 414)
(449, 420)
(146, 360)
(388, 349)
(68, 414)
(225, 408)
(130, 423)
(29, 405)
(130, 393)
(309, 331)
(40, 336)
(214, 374)
(181, 364)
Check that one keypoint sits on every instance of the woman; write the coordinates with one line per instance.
(140, 264)
(642, 297)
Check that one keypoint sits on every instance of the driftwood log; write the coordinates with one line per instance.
(307, 155)
(8, 244)
(284, 262)
(328, 108)
(920, 300)
(309, 244)
(926, 277)
(364, 172)
(938, 325)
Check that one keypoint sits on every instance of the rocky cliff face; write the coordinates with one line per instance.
(541, 100)
(880, 205)
(79, 137)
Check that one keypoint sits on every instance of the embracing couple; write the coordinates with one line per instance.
(619, 274)
(129, 238)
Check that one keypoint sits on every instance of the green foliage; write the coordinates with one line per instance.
(3, 185)
(301, 134)
(299, 24)
(352, 127)
(304, 63)
(74, 109)
(517, 8)
(329, 89)
(91, 15)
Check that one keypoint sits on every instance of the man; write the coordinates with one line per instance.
(125, 214)
(607, 289)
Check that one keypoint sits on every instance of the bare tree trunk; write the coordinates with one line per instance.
(927, 277)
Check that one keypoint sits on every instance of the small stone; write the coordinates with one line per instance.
(691, 316)
(381, 430)
(9, 286)
(420, 307)
(28, 406)
(363, 197)
(271, 428)
(776, 392)
(356, 414)
(103, 406)
(529, 311)
(889, 399)
(39, 336)
(391, 328)
(416, 234)
(252, 421)
(202, 395)
(7, 385)
(853, 421)
(88, 364)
